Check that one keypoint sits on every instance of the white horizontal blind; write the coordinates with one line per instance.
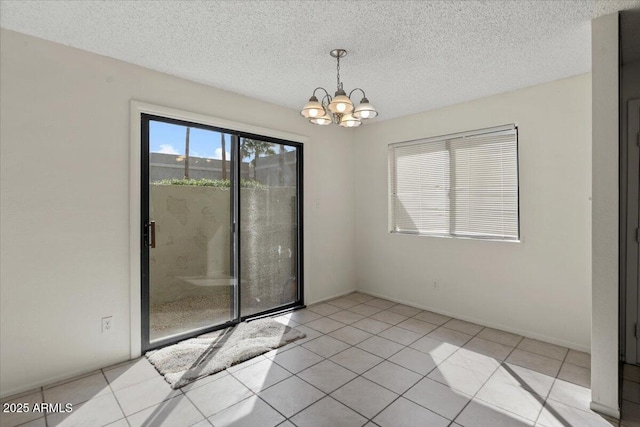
(420, 188)
(460, 185)
(484, 188)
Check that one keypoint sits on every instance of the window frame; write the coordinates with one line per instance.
(390, 183)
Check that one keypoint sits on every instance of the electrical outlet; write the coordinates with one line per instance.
(436, 285)
(107, 324)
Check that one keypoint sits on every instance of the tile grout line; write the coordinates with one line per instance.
(166, 399)
(522, 338)
(545, 398)
(46, 413)
(357, 374)
(294, 375)
(488, 378)
(423, 376)
(404, 346)
(205, 418)
(557, 377)
(407, 346)
(252, 392)
(553, 383)
(126, 419)
(479, 388)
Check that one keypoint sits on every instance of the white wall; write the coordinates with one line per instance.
(64, 113)
(540, 287)
(604, 353)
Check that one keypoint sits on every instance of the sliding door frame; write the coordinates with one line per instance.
(145, 249)
(299, 303)
(235, 231)
(139, 311)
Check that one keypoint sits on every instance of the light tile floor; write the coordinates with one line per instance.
(365, 361)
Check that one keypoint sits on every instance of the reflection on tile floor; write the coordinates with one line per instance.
(365, 361)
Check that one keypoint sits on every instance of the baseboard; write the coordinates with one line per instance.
(331, 297)
(59, 379)
(527, 334)
(605, 410)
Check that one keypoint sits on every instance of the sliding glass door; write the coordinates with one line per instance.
(221, 228)
(269, 225)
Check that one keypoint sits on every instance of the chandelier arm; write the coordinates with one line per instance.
(322, 89)
(326, 100)
(364, 95)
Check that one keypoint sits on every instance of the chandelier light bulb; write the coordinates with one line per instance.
(312, 108)
(365, 110)
(341, 104)
(348, 121)
(323, 120)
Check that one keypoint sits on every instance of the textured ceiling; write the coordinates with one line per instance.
(409, 56)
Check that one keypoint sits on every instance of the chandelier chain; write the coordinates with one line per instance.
(338, 68)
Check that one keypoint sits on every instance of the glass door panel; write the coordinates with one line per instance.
(190, 252)
(268, 225)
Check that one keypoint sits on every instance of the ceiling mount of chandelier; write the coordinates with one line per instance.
(338, 109)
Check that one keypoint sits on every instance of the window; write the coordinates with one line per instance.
(460, 185)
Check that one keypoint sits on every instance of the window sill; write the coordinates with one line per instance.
(448, 236)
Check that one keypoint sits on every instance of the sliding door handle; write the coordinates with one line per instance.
(152, 234)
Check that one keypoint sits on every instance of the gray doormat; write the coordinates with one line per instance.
(189, 360)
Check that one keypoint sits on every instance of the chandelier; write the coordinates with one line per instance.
(338, 109)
